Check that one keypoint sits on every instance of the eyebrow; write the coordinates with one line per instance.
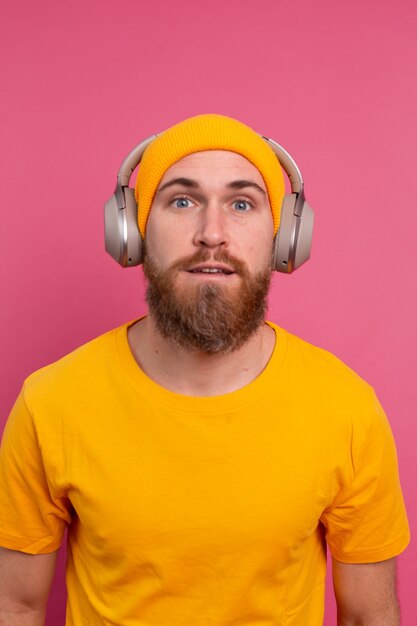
(234, 184)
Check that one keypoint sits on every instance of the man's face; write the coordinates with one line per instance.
(208, 251)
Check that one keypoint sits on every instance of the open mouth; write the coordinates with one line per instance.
(211, 270)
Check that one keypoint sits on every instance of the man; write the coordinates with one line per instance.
(200, 456)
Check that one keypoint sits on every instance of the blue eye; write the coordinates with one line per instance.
(242, 205)
(182, 203)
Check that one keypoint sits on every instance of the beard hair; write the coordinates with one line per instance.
(206, 318)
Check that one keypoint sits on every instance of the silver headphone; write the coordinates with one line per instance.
(292, 244)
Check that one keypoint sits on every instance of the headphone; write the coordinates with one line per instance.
(292, 244)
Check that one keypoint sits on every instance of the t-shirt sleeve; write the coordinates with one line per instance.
(32, 520)
(367, 521)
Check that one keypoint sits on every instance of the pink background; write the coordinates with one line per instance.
(335, 83)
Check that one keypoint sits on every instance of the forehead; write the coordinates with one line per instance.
(221, 164)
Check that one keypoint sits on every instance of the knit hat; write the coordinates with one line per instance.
(206, 132)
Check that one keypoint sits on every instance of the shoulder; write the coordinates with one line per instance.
(75, 370)
(319, 376)
(308, 356)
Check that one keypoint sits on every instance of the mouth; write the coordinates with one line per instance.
(212, 270)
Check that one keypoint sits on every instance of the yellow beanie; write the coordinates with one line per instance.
(206, 132)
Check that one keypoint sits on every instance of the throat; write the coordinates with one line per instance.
(193, 373)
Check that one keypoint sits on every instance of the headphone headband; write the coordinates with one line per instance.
(132, 161)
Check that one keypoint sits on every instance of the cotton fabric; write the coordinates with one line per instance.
(205, 511)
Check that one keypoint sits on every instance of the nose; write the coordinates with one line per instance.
(211, 230)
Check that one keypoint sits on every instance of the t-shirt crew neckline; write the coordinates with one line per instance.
(248, 394)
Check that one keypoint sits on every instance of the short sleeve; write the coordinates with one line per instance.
(367, 521)
(31, 519)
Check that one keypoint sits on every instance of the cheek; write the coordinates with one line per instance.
(164, 242)
(156, 231)
(260, 245)
(258, 257)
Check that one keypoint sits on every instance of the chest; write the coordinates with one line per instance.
(159, 479)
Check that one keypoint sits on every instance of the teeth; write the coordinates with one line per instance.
(211, 270)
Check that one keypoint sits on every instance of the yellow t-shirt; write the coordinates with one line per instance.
(199, 511)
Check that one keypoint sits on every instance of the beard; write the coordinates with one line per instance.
(209, 318)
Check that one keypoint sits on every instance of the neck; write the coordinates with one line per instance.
(196, 373)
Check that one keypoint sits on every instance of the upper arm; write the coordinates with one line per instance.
(25, 579)
(366, 591)
(366, 521)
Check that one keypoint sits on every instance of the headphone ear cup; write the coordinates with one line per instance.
(123, 240)
(281, 261)
(292, 245)
(112, 237)
(304, 237)
(134, 240)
